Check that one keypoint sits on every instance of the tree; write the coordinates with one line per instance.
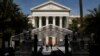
(92, 22)
(92, 29)
(12, 20)
(74, 25)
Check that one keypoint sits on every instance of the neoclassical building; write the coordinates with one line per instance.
(50, 14)
(50, 21)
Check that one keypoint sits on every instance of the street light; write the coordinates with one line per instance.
(81, 17)
(81, 11)
(81, 22)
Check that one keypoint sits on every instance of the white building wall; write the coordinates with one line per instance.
(50, 14)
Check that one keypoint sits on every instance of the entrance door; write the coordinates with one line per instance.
(50, 41)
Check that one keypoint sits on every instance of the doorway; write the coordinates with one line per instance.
(51, 41)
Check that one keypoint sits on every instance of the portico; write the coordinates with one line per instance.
(39, 21)
(50, 13)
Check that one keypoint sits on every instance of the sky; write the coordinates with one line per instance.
(26, 5)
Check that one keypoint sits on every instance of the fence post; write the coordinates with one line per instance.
(66, 46)
(35, 44)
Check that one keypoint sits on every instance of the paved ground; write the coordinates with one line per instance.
(48, 50)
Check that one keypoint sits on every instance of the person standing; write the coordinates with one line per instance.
(47, 47)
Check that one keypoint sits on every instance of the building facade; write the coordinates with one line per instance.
(50, 14)
(50, 21)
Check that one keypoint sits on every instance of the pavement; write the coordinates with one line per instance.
(48, 50)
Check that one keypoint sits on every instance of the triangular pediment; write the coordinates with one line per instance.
(50, 5)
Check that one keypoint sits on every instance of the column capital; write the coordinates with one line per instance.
(60, 16)
(40, 16)
(54, 16)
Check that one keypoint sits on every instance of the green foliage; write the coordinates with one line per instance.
(92, 20)
(12, 20)
(92, 29)
(92, 23)
(74, 25)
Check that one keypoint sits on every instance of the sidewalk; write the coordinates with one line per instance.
(54, 48)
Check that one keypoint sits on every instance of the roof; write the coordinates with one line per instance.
(51, 3)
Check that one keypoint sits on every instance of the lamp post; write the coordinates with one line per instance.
(81, 21)
(81, 11)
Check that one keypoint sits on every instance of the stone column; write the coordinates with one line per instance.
(60, 22)
(33, 21)
(67, 24)
(54, 23)
(47, 21)
(40, 22)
